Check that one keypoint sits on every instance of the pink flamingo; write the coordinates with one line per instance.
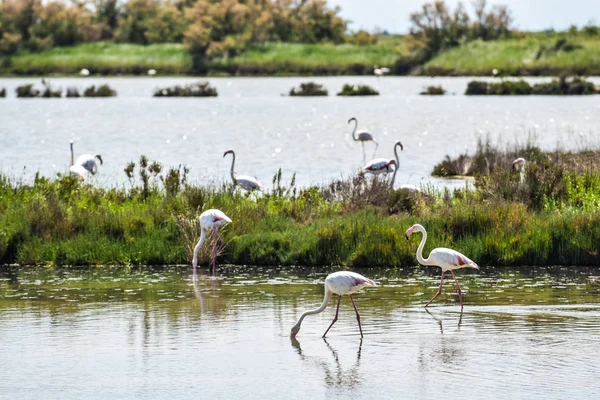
(447, 259)
(210, 219)
(340, 283)
(383, 165)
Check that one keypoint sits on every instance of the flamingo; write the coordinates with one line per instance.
(383, 165)
(76, 169)
(520, 164)
(380, 71)
(84, 72)
(151, 72)
(447, 259)
(340, 283)
(363, 136)
(210, 219)
(245, 181)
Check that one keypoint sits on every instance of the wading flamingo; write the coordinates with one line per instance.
(383, 165)
(245, 181)
(447, 259)
(520, 164)
(340, 283)
(363, 136)
(210, 220)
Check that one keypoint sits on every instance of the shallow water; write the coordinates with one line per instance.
(308, 136)
(156, 333)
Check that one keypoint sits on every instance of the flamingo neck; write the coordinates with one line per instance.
(315, 311)
(197, 248)
(232, 165)
(354, 131)
(420, 259)
(397, 165)
(72, 156)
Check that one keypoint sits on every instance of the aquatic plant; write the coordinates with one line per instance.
(72, 92)
(309, 89)
(3, 92)
(198, 89)
(359, 90)
(100, 91)
(27, 90)
(433, 91)
(560, 86)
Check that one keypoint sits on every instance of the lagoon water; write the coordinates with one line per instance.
(123, 333)
(308, 136)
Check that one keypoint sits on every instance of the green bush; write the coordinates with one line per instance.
(359, 90)
(309, 89)
(100, 91)
(198, 89)
(434, 91)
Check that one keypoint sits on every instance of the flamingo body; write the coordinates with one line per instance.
(78, 171)
(379, 166)
(446, 259)
(340, 283)
(210, 220)
(246, 182)
(88, 162)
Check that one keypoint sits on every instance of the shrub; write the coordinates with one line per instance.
(309, 89)
(3, 92)
(476, 88)
(508, 87)
(72, 92)
(434, 91)
(198, 89)
(27, 91)
(100, 91)
(360, 90)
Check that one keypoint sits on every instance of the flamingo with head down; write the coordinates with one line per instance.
(447, 259)
(210, 220)
(340, 283)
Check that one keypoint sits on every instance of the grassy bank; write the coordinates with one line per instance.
(172, 59)
(549, 218)
(534, 54)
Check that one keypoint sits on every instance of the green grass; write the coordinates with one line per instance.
(548, 218)
(531, 55)
(104, 58)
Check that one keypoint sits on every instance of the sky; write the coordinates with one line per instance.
(529, 15)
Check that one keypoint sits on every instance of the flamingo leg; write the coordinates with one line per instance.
(439, 291)
(459, 291)
(376, 146)
(364, 154)
(214, 257)
(357, 316)
(337, 310)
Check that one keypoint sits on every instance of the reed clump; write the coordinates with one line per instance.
(198, 89)
(100, 91)
(434, 91)
(309, 89)
(3, 92)
(559, 86)
(359, 90)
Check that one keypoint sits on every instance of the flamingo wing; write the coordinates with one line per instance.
(346, 282)
(213, 218)
(449, 259)
(248, 182)
(377, 165)
(88, 162)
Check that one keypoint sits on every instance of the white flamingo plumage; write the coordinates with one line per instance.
(380, 71)
(383, 165)
(210, 220)
(446, 259)
(245, 181)
(85, 163)
(362, 136)
(340, 283)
